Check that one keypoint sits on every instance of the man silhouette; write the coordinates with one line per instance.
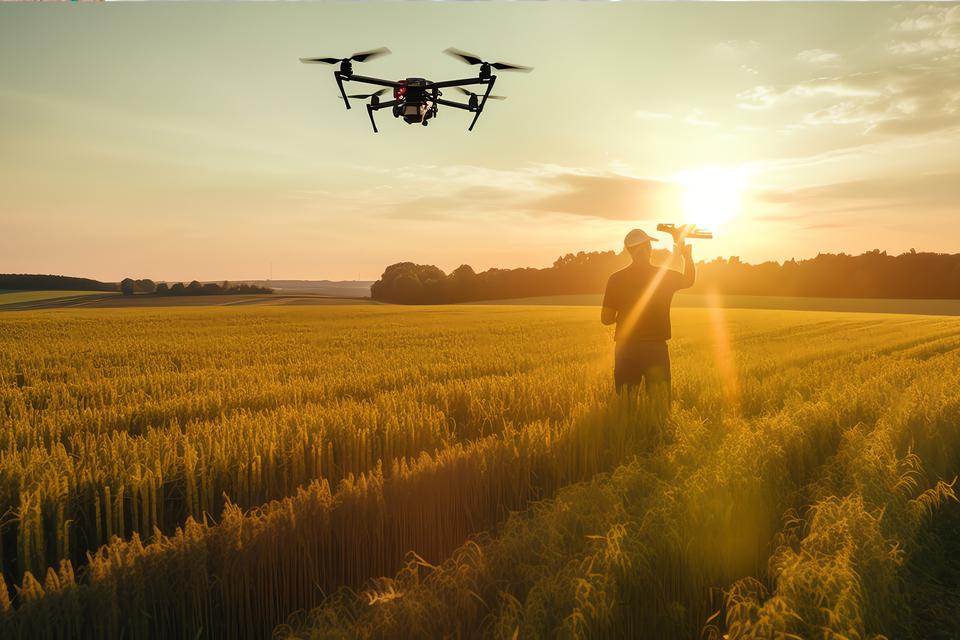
(637, 299)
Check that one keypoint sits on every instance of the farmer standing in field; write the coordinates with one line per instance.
(638, 300)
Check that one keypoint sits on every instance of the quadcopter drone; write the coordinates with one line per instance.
(418, 99)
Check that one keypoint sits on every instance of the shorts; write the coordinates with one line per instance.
(647, 362)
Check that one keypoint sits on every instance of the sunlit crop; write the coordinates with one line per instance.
(219, 472)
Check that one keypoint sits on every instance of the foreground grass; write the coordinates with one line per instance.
(650, 550)
(358, 435)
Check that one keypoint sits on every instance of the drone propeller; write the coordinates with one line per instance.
(471, 93)
(375, 94)
(363, 56)
(469, 58)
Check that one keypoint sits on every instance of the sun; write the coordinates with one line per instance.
(710, 196)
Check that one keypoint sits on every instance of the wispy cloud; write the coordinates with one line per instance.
(534, 190)
(927, 17)
(935, 191)
(651, 115)
(609, 196)
(693, 117)
(907, 99)
(736, 47)
(927, 30)
(819, 56)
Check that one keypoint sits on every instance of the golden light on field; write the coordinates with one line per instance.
(710, 196)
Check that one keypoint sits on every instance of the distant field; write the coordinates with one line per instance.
(228, 467)
(33, 300)
(860, 305)
(341, 289)
(272, 299)
(52, 298)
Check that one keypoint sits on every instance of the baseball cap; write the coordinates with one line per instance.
(637, 236)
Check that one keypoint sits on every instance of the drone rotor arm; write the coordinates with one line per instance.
(456, 83)
(376, 81)
(456, 105)
(364, 96)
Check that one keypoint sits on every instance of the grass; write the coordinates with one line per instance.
(174, 471)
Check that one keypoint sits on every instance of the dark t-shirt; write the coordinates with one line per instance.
(641, 296)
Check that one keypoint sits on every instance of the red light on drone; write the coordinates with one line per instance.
(399, 92)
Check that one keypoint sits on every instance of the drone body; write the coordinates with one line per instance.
(418, 99)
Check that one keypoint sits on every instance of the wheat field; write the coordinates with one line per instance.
(467, 471)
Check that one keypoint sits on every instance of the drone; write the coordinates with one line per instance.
(418, 99)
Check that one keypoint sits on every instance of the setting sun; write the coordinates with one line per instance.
(711, 195)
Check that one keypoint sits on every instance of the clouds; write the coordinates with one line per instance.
(608, 196)
(693, 118)
(536, 191)
(904, 193)
(736, 47)
(913, 87)
(908, 99)
(925, 18)
(819, 57)
(927, 31)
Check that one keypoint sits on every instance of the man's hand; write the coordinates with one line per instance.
(680, 233)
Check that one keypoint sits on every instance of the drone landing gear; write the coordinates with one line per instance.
(374, 106)
(483, 101)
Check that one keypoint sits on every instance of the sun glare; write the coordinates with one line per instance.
(711, 196)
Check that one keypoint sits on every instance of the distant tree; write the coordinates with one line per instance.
(212, 288)
(194, 288)
(872, 274)
(38, 282)
(953, 282)
(178, 289)
(127, 286)
(162, 289)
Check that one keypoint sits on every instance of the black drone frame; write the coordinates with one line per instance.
(428, 90)
(345, 74)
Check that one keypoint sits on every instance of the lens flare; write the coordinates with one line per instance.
(710, 196)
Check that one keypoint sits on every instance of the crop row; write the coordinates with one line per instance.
(648, 550)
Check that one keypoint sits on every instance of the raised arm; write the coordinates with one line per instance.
(689, 275)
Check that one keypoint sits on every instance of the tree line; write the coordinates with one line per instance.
(44, 282)
(874, 274)
(129, 286)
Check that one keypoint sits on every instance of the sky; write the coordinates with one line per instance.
(180, 141)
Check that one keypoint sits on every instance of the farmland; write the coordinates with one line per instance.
(380, 471)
